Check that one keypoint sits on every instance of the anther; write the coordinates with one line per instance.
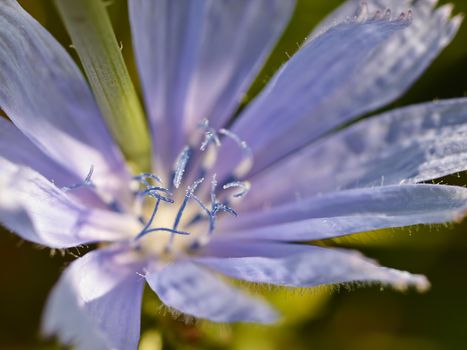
(216, 207)
(243, 185)
(213, 189)
(210, 135)
(180, 166)
(189, 193)
(242, 144)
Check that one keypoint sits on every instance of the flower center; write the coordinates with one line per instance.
(180, 217)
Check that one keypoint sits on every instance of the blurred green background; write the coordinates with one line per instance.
(365, 318)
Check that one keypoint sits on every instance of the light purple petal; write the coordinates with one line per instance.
(194, 291)
(396, 65)
(290, 104)
(237, 38)
(45, 95)
(197, 58)
(18, 149)
(350, 211)
(38, 211)
(407, 145)
(308, 266)
(97, 302)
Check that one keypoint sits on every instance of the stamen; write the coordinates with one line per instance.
(153, 192)
(213, 189)
(162, 229)
(189, 193)
(244, 185)
(150, 221)
(242, 144)
(180, 166)
(216, 207)
(201, 204)
(225, 208)
(142, 178)
(203, 124)
(210, 135)
(87, 182)
(207, 212)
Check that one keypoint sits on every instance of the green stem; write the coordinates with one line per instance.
(93, 37)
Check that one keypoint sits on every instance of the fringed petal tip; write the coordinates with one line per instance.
(403, 280)
(398, 280)
(456, 22)
(364, 14)
(453, 22)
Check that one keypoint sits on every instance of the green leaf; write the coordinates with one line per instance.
(93, 37)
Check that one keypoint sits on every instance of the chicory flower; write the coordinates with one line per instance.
(231, 198)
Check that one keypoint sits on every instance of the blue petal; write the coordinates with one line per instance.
(407, 145)
(291, 103)
(346, 212)
(97, 303)
(194, 291)
(306, 266)
(45, 95)
(197, 58)
(18, 149)
(396, 64)
(38, 211)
